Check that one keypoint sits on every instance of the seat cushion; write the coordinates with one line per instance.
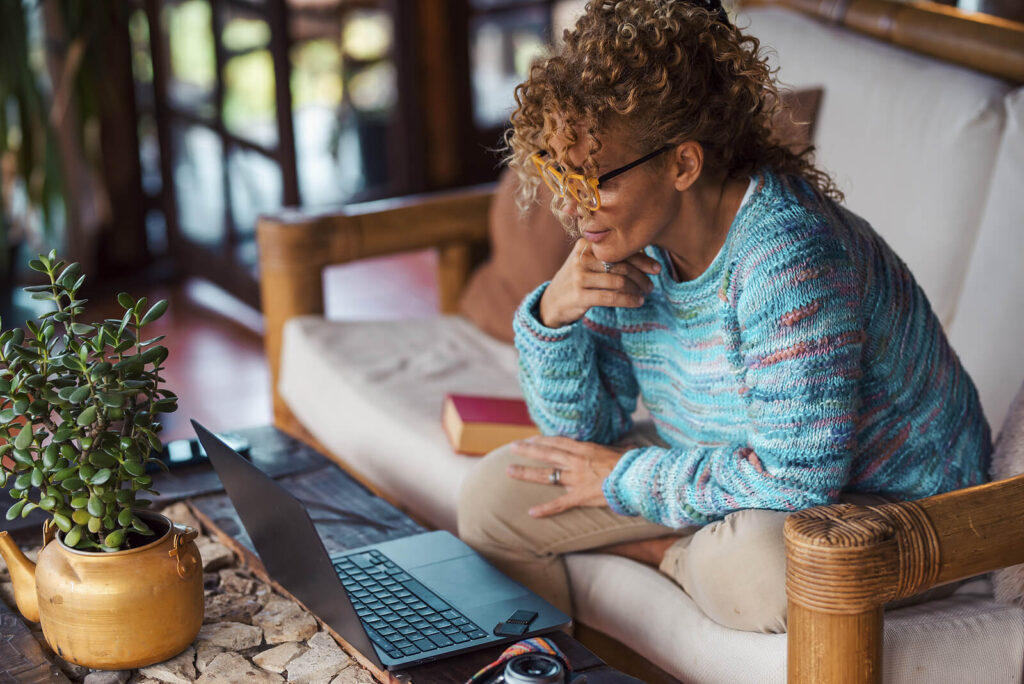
(910, 140)
(371, 392)
(967, 637)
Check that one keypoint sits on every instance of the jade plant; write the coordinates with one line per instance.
(80, 408)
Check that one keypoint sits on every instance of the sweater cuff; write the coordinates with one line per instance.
(531, 333)
(616, 493)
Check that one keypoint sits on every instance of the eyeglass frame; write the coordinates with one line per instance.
(544, 166)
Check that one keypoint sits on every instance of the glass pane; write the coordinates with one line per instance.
(503, 48)
(142, 62)
(249, 98)
(199, 184)
(149, 155)
(371, 90)
(255, 184)
(326, 150)
(188, 28)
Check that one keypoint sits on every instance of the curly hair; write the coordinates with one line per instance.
(664, 71)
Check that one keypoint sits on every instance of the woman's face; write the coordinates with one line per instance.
(636, 206)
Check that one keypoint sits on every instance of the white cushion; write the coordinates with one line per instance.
(371, 392)
(910, 140)
(988, 331)
(965, 638)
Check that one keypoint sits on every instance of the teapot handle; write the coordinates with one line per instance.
(187, 562)
(49, 531)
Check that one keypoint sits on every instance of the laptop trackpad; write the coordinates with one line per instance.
(468, 581)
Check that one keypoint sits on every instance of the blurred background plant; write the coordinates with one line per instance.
(30, 183)
(80, 409)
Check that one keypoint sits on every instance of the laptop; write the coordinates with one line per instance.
(400, 603)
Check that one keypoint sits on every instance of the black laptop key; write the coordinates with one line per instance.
(460, 621)
(412, 650)
(440, 640)
(363, 560)
(458, 637)
(425, 595)
(423, 643)
(377, 638)
(476, 634)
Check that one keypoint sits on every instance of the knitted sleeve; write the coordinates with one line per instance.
(796, 340)
(576, 379)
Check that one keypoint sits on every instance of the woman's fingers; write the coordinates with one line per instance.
(644, 263)
(539, 475)
(615, 283)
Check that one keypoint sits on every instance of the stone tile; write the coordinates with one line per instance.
(229, 607)
(214, 554)
(70, 669)
(211, 582)
(283, 620)
(320, 663)
(107, 677)
(277, 658)
(264, 593)
(231, 636)
(205, 653)
(237, 581)
(353, 674)
(7, 594)
(231, 668)
(180, 513)
(180, 669)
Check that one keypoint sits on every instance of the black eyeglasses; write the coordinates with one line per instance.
(584, 189)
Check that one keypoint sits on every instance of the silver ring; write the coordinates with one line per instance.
(608, 266)
(555, 477)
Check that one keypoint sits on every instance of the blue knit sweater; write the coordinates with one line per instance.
(804, 362)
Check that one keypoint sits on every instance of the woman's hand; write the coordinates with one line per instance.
(582, 468)
(583, 282)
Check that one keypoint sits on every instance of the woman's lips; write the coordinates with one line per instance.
(596, 235)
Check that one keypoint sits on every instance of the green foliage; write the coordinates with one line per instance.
(79, 411)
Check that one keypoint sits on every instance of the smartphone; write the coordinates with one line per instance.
(186, 452)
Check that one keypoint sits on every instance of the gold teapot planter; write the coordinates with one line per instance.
(113, 611)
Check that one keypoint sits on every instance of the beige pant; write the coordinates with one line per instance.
(733, 569)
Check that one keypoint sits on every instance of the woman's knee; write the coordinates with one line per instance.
(487, 502)
(735, 570)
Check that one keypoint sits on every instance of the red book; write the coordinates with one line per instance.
(477, 425)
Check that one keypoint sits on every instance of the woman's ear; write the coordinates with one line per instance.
(687, 163)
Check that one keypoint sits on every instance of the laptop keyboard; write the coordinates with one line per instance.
(401, 616)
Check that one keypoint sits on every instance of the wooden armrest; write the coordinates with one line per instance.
(295, 247)
(844, 562)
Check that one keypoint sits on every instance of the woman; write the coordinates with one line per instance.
(786, 355)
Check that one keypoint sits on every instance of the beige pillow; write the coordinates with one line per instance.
(1008, 461)
(526, 252)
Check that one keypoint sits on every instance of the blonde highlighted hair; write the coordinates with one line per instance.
(664, 72)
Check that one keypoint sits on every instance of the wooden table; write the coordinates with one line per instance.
(348, 516)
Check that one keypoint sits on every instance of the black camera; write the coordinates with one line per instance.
(532, 668)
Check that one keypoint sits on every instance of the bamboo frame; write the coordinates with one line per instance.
(295, 248)
(845, 562)
(982, 42)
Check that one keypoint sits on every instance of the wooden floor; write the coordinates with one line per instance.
(216, 364)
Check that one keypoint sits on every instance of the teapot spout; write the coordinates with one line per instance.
(23, 575)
